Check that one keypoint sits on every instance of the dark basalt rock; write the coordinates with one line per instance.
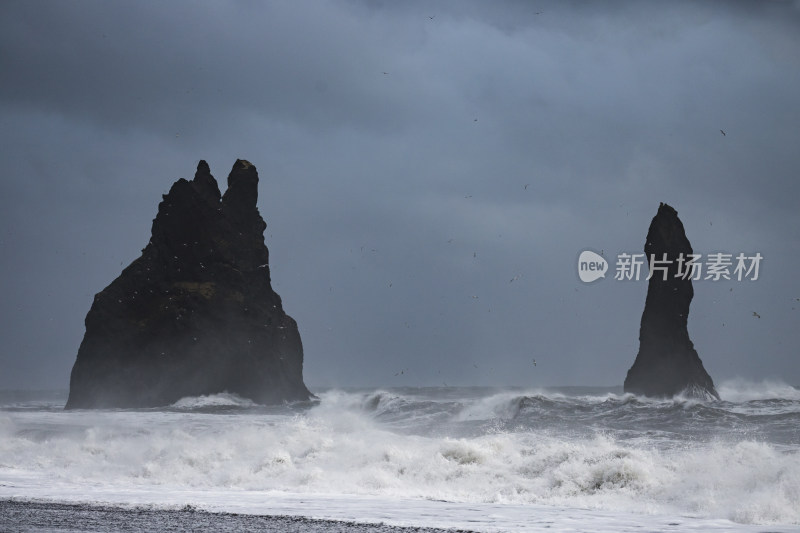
(667, 363)
(196, 313)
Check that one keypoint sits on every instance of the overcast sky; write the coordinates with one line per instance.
(430, 172)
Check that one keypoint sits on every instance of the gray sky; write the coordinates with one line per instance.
(412, 129)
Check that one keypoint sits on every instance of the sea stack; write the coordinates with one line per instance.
(667, 363)
(196, 313)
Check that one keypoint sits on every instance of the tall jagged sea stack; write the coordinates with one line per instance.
(196, 313)
(667, 363)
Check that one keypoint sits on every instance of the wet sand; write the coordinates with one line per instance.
(40, 517)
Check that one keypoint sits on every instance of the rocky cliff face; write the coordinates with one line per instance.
(196, 313)
(667, 363)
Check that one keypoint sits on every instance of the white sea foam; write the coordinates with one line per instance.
(344, 447)
(741, 390)
(505, 405)
(224, 399)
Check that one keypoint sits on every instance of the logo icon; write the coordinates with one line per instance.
(591, 266)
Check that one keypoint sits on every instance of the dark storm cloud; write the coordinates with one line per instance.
(158, 66)
(412, 167)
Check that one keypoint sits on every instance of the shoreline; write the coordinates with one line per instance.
(39, 516)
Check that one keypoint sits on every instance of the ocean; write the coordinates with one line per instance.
(428, 459)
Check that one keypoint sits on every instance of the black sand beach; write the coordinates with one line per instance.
(40, 517)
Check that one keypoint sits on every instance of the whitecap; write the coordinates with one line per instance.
(741, 390)
(223, 399)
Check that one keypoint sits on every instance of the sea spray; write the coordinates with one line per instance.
(606, 452)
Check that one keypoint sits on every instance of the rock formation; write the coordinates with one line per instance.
(667, 363)
(196, 313)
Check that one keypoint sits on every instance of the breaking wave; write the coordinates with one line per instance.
(608, 451)
(740, 390)
(223, 399)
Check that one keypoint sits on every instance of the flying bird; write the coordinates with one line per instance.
(756, 315)
(526, 186)
(534, 362)
(722, 132)
(431, 17)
